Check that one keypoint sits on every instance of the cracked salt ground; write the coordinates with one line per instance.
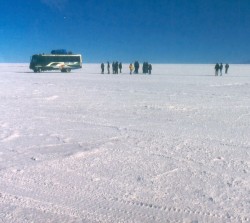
(170, 147)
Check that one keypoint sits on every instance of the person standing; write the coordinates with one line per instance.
(131, 68)
(221, 68)
(137, 66)
(116, 67)
(102, 68)
(144, 68)
(217, 67)
(120, 67)
(108, 67)
(149, 68)
(226, 68)
(113, 67)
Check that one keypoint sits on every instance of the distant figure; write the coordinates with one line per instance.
(149, 68)
(221, 68)
(137, 66)
(131, 68)
(108, 67)
(113, 67)
(116, 67)
(120, 67)
(226, 68)
(102, 67)
(217, 67)
(145, 67)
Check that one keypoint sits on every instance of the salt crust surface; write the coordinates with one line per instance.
(173, 146)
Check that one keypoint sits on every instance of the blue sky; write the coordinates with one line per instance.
(158, 31)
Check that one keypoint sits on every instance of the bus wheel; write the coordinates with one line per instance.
(68, 70)
(37, 70)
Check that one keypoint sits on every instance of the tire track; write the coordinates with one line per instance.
(213, 217)
(47, 207)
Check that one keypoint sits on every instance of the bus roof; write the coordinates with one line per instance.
(59, 55)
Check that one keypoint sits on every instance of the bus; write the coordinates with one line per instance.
(64, 62)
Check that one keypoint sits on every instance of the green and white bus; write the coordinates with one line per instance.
(62, 62)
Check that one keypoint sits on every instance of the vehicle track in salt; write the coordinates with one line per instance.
(47, 207)
(108, 208)
(175, 213)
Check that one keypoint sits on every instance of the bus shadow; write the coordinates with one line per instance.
(31, 72)
(23, 72)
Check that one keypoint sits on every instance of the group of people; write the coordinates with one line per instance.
(219, 68)
(146, 68)
(133, 68)
(115, 67)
